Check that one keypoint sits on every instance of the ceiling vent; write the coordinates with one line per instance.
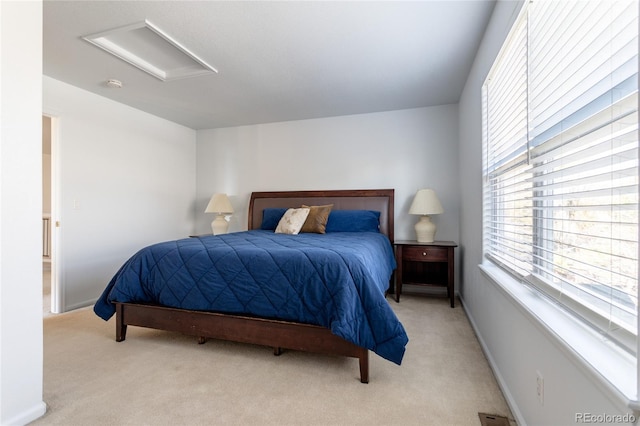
(152, 50)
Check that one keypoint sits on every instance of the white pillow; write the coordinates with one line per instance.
(292, 221)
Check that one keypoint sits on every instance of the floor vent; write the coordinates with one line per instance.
(493, 420)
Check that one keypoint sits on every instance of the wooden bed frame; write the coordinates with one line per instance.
(260, 331)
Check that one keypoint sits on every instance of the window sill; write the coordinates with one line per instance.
(612, 367)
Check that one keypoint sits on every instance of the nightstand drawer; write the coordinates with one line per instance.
(425, 254)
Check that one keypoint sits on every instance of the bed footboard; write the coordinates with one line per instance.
(259, 331)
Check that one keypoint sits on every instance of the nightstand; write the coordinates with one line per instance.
(429, 264)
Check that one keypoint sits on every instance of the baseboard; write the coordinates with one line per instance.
(28, 416)
(79, 305)
(511, 402)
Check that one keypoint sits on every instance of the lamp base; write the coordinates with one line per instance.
(219, 225)
(425, 230)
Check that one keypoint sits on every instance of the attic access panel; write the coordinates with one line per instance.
(150, 49)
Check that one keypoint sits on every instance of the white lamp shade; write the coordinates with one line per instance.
(220, 204)
(425, 203)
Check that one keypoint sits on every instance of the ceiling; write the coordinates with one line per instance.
(276, 61)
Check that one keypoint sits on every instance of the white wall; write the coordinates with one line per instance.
(405, 150)
(20, 212)
(515, 344)
(127, 179)
(46, 164)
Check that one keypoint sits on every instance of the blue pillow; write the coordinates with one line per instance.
(271, 217)
(353, 221)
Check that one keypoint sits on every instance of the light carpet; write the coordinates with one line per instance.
(161, 378)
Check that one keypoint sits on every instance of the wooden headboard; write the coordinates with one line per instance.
(361, 199)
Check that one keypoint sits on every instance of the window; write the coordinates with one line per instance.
(560, 124)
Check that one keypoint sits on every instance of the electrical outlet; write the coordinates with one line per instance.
(540, 387)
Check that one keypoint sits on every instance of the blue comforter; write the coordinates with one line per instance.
(335, 280)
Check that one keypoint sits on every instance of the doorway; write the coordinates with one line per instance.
(46, 215)
(50, 282)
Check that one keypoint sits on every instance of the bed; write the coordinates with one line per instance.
(315, 291)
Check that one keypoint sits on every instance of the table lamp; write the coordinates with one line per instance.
(221, 206)
(425, 203)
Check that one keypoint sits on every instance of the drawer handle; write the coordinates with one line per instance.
(424, 253)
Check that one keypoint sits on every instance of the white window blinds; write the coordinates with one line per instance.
(561, 158)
